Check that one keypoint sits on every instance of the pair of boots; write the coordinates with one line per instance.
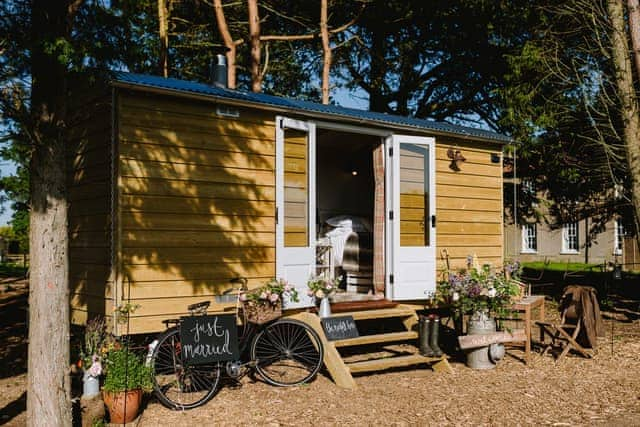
(428, 331)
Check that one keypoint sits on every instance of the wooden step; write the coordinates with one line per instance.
(390, 362)
(374, 339)
(379, 314)
(343, 306)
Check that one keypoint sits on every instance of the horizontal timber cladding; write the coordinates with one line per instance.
(469, 203)
(197, 202)
(89, 216)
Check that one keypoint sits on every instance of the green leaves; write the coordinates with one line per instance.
(125, 370)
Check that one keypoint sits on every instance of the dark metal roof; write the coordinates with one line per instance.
(294, 105)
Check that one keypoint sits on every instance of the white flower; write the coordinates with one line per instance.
(455, 296)
(492, 293)
(319, 294)
(96, 369)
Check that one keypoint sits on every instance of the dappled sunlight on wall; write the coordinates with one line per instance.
(197, 202)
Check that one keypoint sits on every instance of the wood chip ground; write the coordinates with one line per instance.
(601, 391)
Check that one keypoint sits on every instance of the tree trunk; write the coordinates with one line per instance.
(48, 389)
(326, 50)
(254, 41)
(228, 42)
(634, 31)
(163, 19)
(628, 102)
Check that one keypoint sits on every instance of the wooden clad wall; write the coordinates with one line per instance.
(88, 180)
(469, 206)
(197, 202)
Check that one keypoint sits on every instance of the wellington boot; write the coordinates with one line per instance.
(424, 326)
(434, 332)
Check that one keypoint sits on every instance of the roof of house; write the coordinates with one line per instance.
(142, 81)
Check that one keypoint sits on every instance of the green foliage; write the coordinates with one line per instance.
(478, 289)
(561, 104)
(561, 266)
(125, 370)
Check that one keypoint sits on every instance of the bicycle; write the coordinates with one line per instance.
(284, 352)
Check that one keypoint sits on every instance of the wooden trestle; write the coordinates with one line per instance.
(341, 370)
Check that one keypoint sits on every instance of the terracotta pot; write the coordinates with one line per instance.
(123, 406)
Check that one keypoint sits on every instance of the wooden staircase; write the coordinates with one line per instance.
(362, 359)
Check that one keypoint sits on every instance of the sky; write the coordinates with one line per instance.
(6, 168)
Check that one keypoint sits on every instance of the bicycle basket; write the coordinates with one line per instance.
(263, 312)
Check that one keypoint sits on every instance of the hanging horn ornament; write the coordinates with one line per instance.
(456, 157)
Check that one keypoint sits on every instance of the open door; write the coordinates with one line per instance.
(295, 205)
(411, 237)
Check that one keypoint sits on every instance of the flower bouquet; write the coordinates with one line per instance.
(93, 351)
(321, 287)
(478, 290)
(265, 303)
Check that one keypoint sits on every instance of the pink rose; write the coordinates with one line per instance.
(243, 297)
(274, 297)
(263, 295)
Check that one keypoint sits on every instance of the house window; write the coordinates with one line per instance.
(618, 237)
(570, 239)
(529, 238)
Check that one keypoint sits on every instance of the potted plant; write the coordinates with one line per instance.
(322, 288)
(265, 303)
(127, 378)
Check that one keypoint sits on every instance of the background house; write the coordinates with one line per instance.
(534, 239)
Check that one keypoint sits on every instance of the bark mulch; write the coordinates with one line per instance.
(601, 391)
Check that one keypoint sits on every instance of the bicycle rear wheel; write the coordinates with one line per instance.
(287, 353)
(176, 385)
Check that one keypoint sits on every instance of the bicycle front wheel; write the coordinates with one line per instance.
(176, 385)
(287, 353)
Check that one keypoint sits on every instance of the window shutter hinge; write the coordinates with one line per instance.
(276, 215)
(391, 278)
(390, 151)
(391, 215)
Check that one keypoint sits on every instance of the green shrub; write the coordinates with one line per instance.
(126, 370)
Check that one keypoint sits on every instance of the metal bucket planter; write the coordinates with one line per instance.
(482, 357)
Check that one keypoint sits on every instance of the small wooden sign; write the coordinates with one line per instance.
(207, 339)
(339, 328)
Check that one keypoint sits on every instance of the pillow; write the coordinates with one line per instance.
(355, 223)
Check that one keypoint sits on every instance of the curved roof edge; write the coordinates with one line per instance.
(176, 86)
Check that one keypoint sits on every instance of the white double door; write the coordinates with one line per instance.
(410, 200)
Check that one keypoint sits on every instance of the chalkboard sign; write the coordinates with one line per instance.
(207, 339)
(339, 328)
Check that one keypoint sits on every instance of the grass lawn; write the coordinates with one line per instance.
(12, 270)
(562, 266)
